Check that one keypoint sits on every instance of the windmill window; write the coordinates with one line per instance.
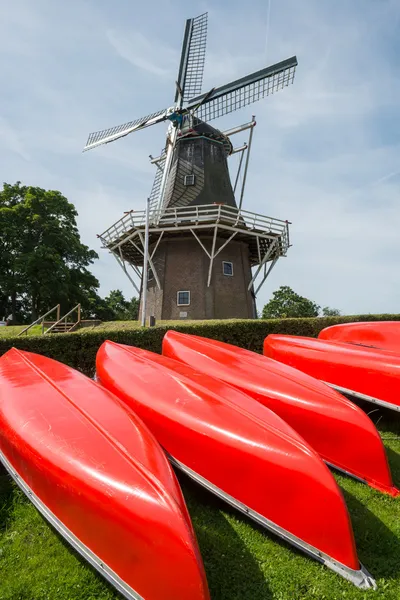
(183, 298)
(189, 180)
(227, 268)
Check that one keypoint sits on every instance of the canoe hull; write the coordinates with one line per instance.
(383, 335)
(237, 449)
(108, 574)
(365, 373)
(328, 422)
(98, 475)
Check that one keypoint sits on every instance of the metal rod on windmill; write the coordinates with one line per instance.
(192, 200)
(243, 149)
(145, 263)
(247, 161)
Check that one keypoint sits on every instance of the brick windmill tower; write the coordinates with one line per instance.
(207, 257)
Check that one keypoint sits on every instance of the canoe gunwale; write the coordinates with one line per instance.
(340, 470)
(70, 537)
(360, 578)
(361, 396)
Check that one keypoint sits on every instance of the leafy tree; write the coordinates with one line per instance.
(43, 261)
(134, 309)
(96, 308)
(121, 309)
(330, 312)
(285, 303)
(114, 307)
(117, 304)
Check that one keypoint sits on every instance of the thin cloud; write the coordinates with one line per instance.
(12, 139)
(141, 53)
(267, 29)
(374, 183)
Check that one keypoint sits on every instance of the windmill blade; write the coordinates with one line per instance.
(190, 77)
(242, 92)
(114, 133)
(203, 100)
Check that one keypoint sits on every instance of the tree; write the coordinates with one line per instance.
(121, 309)
(285, 303)
(43, 261)
(134, 308)
(330, 312)
(114, 307)
(117, 304)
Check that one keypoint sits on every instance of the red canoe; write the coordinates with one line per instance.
(336, 428)
(383, 335)
(98, 475)
(365, 373)
(239, 450)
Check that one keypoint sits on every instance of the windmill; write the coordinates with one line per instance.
(192, 215)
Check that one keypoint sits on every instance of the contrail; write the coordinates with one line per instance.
(385, 178)
(267, 32)
(373, 183)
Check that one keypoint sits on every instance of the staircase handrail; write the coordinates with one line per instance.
(41, 319)
(64, 318)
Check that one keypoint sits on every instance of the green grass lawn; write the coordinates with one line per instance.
(242, 561)
(14, 330)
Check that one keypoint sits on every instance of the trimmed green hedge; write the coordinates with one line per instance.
(79, 349)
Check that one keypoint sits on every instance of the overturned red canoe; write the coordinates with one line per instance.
(98, 475)
(383, 335)
(336, 428)
(365, 373)
(237, 449)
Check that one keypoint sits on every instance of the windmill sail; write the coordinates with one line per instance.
(191, 69)
(242, 92)
(114, 133)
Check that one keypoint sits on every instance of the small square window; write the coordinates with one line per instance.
(227, 268)
(189, 180)
(183, 298)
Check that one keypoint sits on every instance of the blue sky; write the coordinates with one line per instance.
(326, 150)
